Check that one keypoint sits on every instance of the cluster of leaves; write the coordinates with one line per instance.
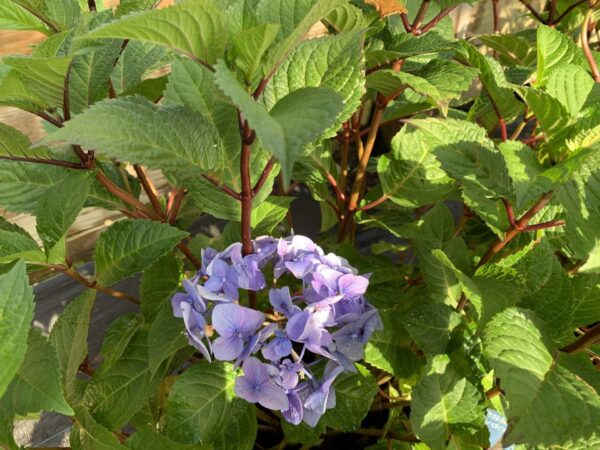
(488, 279)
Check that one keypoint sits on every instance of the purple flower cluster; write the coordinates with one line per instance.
(328, 320)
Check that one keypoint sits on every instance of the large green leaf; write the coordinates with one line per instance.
(296, 120)
(16, 313)
(410, 174)
(331, 61)
(250, 46)
(554, 50)
(523, 167)
(87, 434)
(58, 14)
(389, 349)
(55, 215)
(116, 339)
(148, 439)
(43, 77)
(571, 85)
(14, 17)
(16, 243)
(354, 393)
(135, 61)
(159, 281)
(134, 129)
(69, 336)
(37, 386)
(468, 155)
(129, 246)
(535, 382)
(89, 76)
(496, 86)
(295, 17)
(195, 28)
(512, 48)
(166, 336)
(116, 394)
(430, 325)
(444, 404)
(202, 408)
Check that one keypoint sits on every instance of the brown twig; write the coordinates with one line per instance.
(585, 45)
(589, 338)
(517, 227)
(437, 19)
(414, 28)
(533, 11)
(189, 255)
(173, 211)
(48, 118)
(568, 10)
(149, 188)
(217, 183)
(51, 162)
(374, 203)
(92, 284)
(496, 16)
(405, 22)
(92, 5)
(263, 176)
(338, 193)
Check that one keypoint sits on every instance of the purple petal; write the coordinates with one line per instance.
(273, 397)
(231, 319)
(227, 348)
(256, 371)
(353, 285)
(289, 379)
(248, 350)
(199, 345)
(281, 300)
(176, 303)
(294, 413)
(245, 389)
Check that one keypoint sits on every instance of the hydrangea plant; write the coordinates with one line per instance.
(453, 183)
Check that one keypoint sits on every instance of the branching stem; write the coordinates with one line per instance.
(589, 338)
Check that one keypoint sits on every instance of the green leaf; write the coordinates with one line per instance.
(16, 243)
(269, 214)
(296, 120)
(303, 115)
(114, 395)
(330, 61)
(430, 325)
(523, 167)
(55, 215)
(202, 408)
(494, 80)
(148, 439)
(69, 336)
(468, 155)
(129, 246)
(551, 113)
(14, 17)
(554, 50)
(89, 75)
(166, 337)
(250, 46)
(15, 143)
(117, 338)
(159, 281)
(13, 91)
(451, 79)
(534, 382)
(87, 434)
(16, 314)
(390, 350)
(389, 82)
(128, 6)
(37, 386)
(571, 85)
(195, 28)
(347, 17)
(296, 17)
(43, 77)
(134, 129)
(410, 174)
(303, 433)
(59, 14)
(354, 393)
(135, 62)
(515, 49)
(444, 404)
